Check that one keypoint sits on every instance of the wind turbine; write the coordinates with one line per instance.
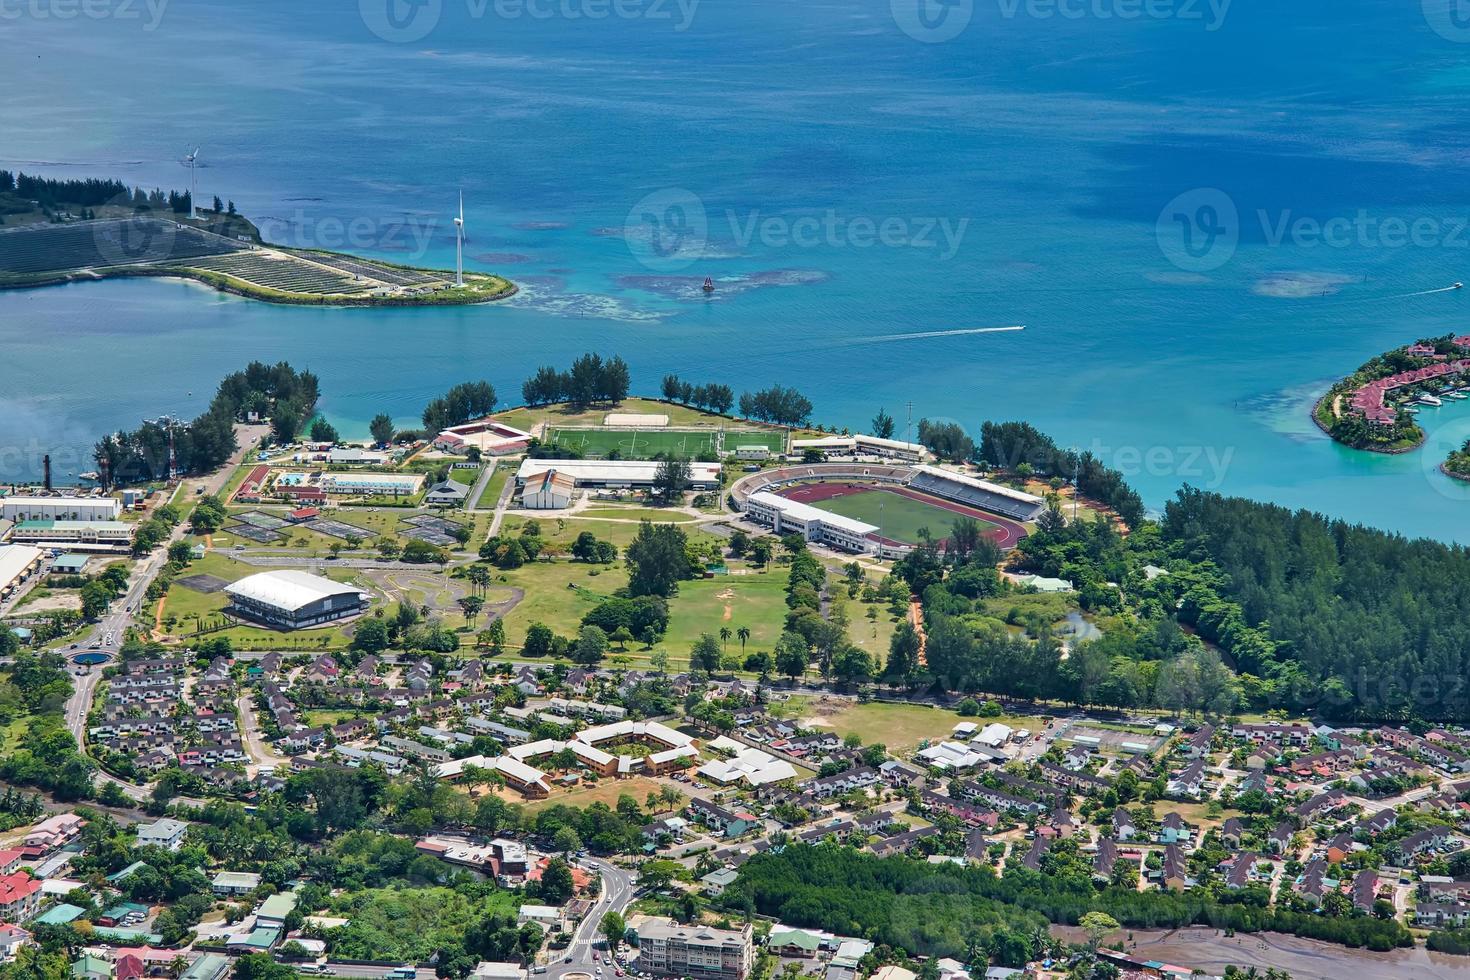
(190, 160)
(459, 243)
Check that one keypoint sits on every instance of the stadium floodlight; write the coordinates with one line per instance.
(191, 161)
(459, 243)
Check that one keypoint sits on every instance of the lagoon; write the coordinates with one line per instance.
(843, 183)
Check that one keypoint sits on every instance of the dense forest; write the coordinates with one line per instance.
(1020, 447)
(1379, 624)
(287, 396)
(948, 910)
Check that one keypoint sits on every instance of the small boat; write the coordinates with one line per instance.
(1457, 395)
(709, 285)
(1430, 400)
(1459, 285)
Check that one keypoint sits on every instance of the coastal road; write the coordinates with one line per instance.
(616, 894)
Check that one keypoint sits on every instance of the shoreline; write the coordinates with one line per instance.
(1380, 450)
(224, 284)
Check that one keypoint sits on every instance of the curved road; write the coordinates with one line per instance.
(616, 894)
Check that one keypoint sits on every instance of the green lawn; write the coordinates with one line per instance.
(757, 602)
(463, 475)
(898, 516)
(493, 486)
(630, 444)
(183, 604)
(653, 514)
(904, 726)
(527, 418)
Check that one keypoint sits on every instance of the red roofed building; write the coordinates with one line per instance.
(10, 860)
(304, 514)
(128, 967)
(20, 897)
(1369, 400)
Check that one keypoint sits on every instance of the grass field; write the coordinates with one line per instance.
(605, 791)
(491, 494)
(899, 517)
(901, 726)
(757, 602)
(630, 444)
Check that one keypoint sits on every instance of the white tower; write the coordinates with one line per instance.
(191, 160)
(459, 243)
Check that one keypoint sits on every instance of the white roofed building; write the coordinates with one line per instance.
(616, 473)
(294, 600)
(17, 562)
(784, 516)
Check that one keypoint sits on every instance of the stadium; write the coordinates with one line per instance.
(880, 509)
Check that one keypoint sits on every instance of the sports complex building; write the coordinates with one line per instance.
(294, 600)
(882, 510)
(610, 474)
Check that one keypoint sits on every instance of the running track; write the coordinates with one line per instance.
(1007, 533)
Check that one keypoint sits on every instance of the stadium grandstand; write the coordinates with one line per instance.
(982, 494)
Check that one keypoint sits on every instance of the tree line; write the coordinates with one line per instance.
(90, 192)
(590, 380)
(279, 391)
(465, 401)
(715, 398)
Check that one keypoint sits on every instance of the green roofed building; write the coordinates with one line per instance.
(59, 915)
(127, 872)
(127, 937)
(273, 910)
(210, 966)
(91, 966)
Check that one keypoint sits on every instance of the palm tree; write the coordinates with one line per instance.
(743, 633)
(725, 635)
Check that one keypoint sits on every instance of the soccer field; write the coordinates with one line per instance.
(642, 444)
(898, 516)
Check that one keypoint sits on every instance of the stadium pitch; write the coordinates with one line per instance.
(645, 444)
(899, 513)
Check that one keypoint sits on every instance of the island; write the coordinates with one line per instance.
(57, 232)
(1374, 407)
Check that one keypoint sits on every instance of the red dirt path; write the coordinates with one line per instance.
(1006, 533)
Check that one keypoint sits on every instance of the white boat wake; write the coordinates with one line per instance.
(926, 334)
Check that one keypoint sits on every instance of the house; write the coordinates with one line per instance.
(1232, 831)
(1175, 873)
(717, 818)
(546, 916)
(1442, 915)
(1365, 891)
(235, 882)
(1424, 842)
(1318, 806)
(1339, 848)
(20, 897)
(51, 833)
(12, 939)
(718, 880)
(1124, 828)
(843, 782)
(1037, 851)
(1198, 745)
(902, 843)
(166, 833)
(1105, 859)
(1242, 871)
(1279, 840)
(1189, 783)
(1173, 829)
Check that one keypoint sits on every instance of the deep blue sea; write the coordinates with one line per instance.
(1201, 214)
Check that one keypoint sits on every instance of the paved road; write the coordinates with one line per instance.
(260, 751)
(617, 893)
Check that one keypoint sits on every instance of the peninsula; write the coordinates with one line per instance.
(57, 232)
(1374, 408)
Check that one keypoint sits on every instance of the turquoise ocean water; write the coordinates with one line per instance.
(1147, 195)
